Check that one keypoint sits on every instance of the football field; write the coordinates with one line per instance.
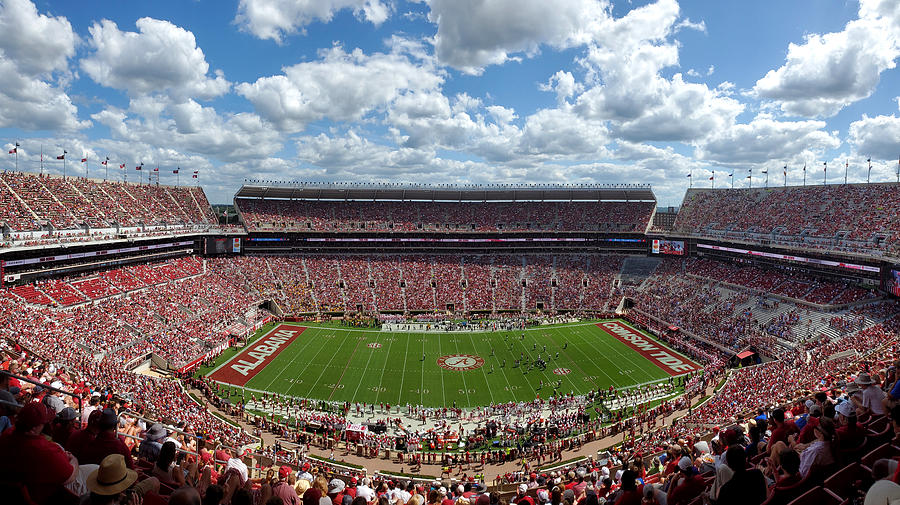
(444, 368)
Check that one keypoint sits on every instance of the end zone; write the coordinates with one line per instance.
(669, 362)
(247, 363)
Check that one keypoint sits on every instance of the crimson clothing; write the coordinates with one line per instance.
(92, 450)
(287, 493)
(808, 433)
(780, 434)
(850, 438)
(687, 490)
(39, 464)
(631, 497)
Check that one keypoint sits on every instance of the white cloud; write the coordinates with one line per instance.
(876, 137)
(340, 86)
(830, 71)
(629, 91)
(764, 139)
(473, 34)
(564, 85)
(34, 69)
(274, 19)
(192, 128)
(161, 58)
(38, 43)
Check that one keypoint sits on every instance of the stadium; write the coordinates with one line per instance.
(492, 335)
(449, 252)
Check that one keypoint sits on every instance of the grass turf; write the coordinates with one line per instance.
(337, 364)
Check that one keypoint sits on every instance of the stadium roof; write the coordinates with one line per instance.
(446, 192)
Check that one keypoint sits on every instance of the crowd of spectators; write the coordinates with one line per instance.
(178, 309)
(307, 215)
(374, 283)
(841, 217)
(31, 201)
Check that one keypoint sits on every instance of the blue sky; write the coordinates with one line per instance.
(453, 91)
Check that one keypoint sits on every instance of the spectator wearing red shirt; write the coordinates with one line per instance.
(93, 450)
(781, 431)
(29, 458)
(629, 494)
(686, 485)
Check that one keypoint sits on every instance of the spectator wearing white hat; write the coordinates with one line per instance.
(872, 397)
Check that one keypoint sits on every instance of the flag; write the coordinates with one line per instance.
(61, 156)
(765, 171)
(785, 170)
(12, 151)
(712, 177)
(156, 169)
(731, 174)
(689, 175)
(176, 170)
(105, 162)
(84, 160)
(122, 165)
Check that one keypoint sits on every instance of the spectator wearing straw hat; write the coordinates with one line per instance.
(112, 483)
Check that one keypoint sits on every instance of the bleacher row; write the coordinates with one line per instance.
(302, 215)
(31, 202)
(856, 217)
(96, 286)
(426, 283)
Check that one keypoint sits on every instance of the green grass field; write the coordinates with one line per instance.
(372, 366)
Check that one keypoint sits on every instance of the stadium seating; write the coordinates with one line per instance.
(301, 215)
(854, 217)
(30, 201)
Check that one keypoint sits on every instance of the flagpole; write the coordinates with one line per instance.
(869, 175)
(846, 169)
(804, 175)
(732, 179)
(785, 176)
(64, 163)
(751, 178)
(17, 156)
(42, 159)
(825, 176)
(713, 179)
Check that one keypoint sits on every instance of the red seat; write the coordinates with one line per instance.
(780, 495)
(882, 451)
(818, 496)
(851, 477)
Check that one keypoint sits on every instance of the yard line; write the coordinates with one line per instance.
(639, 364)
(486, 377)
(327, 365)
(381, 379)
(441, 369)
(463, 375)
(366, 369)
(297, 353)
(575, 364)
(422, 389)
(403, 375)
(612, 348)
(522, 343)
(345, 368)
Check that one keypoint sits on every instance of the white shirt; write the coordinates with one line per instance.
(366, 492)
(871, 398)
(238, 465)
